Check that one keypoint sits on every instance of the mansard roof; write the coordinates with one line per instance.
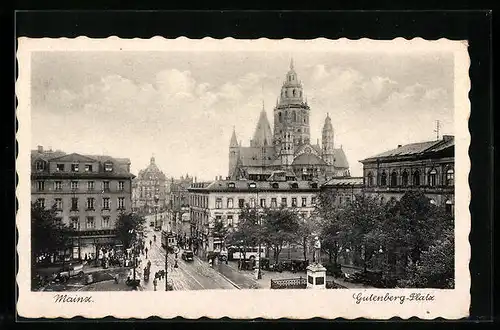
(74, 157)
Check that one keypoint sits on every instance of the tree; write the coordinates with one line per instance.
(305, 228)
(129, 226)
(327, 212)
(279, 226)
(436, 267)
(48, 233)
(247, 233)
(357, 224)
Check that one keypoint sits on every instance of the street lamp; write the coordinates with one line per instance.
(131, 231)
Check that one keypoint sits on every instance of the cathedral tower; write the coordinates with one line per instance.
(291, 112)
(287, 148)
(233, 153)
(327, 146)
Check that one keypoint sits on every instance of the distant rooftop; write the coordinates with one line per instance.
(417, 148)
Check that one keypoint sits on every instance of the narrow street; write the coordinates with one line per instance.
(193, 275)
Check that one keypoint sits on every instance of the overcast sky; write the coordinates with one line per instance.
(182, 106)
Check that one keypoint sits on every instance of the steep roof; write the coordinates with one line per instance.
(234, 142)
(253, 156)
(74, 157)
(308, 159)
(263, 136)
(340, 160)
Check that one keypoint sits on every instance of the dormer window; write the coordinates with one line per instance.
(276, 185)
(294, 185)
(60, 167)
(88, 168)
(40, 165)
(74, 167)
(252, 185)
(108, 167)
(314, 185)
(230, 184)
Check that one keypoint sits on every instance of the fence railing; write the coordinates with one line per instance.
(290, 283)
(300, 283)
(333, 285)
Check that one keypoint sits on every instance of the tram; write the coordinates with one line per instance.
(168, 240)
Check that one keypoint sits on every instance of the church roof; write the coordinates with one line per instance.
(263, 135)
(340, 160)
(234, 141)
(308, 159)
(252, 156)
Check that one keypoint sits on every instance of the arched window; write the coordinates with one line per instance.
(369, 179)
(432, 177)
(416, 178)
(450, 177)
(383, 179)
(404, 178)
(280, 117)
(394, 179)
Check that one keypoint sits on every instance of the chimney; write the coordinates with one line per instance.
(399, 145)
(40, 149)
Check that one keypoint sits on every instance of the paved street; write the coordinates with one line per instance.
(194, 275)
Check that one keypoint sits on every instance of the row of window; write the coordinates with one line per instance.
(90, 223)
(89, 205)
(75, 167)
(295, 118)
(393, 179)
(263, 202)
(74, 185)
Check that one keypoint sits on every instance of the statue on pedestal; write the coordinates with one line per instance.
(317, 250)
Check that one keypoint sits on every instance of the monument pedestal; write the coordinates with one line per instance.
(316, 276)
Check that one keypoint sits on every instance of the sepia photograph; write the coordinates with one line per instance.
(261, 167)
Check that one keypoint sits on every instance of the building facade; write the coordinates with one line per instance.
(344, 189)
(88, 191)
(425, 166)
(178, 203)
(222, 200)
(288, 146)
(149, 189)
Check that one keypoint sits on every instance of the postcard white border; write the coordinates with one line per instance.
(248, 304)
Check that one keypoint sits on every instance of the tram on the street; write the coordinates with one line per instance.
(168, 240)
(245, 252)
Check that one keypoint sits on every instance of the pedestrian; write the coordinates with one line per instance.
(155, 283)
(150, 242)
(146, 251)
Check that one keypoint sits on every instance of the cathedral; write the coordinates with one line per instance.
(286, 151)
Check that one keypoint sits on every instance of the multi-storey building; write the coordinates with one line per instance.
(88, 191)
(149, 189)
(344, 189)
(178, 202)
(425, 166)
(222, 200)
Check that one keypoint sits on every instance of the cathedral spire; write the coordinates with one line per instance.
(291, 63)
(234, 141)
(263, 135)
